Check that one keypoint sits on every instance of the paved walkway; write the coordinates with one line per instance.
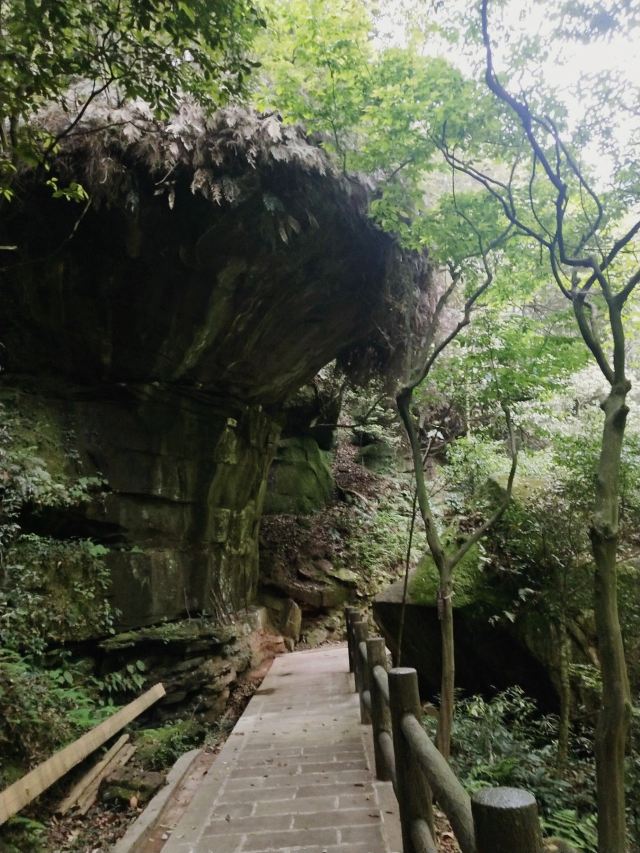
(294, 775)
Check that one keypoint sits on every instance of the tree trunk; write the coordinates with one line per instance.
(447, 678)
(565, 696)
(615, 707)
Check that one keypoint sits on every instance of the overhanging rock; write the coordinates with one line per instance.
(220, 264)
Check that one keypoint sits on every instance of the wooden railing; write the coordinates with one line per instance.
(494, 820)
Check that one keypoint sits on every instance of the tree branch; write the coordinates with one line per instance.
(589, 337)
(475, 537)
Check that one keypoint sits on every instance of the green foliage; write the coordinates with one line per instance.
(378, 546)
(22, 833)
(155, 51)
(540, 547)
(578, 455)
(580, 831)
(314, 60)
(377, 108)
(53, 591)
(128, 680)
(509, 357)
(43, 708)
(633, 773)
(505, 741)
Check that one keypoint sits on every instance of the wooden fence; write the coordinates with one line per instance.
(494, 820)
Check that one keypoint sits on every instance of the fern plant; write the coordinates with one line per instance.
(579, 831)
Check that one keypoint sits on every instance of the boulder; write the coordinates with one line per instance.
(128, 782)
(489, 657)
(378, 457)
(292, 620)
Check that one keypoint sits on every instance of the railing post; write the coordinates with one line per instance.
(414, 795)
(360, 632)
(356, 618)
(380, 715)
(506, 819)
(349, 618)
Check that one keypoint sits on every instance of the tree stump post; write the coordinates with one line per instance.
(380, 714)
(350, 614)
(360, 633)
(413, 792)
(506, 820)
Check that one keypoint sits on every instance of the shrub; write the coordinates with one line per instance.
(506, 741)
(42, 709)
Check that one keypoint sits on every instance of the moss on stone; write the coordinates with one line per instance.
(378, 457)
(158, 748)
(300, 481)
(171, 632)
(39, 430)
(467, 584)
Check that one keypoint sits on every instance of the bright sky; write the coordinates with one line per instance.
(569, 61)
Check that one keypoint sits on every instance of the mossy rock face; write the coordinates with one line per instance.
(169, 340)
(175, 635)
(487, 656)
(196, 660)
(469, 585)
(300, 479)
(180, 510)
(496, 646)
(377, 457)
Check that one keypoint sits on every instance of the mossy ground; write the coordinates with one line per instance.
(471, 585)
(160, 747)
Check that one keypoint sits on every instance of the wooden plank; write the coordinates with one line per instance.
(22, 792)
(76, 792)
(90, 794)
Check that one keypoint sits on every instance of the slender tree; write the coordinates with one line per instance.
(549, 197)
(446, 558)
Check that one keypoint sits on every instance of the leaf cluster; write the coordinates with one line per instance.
(72, 51)
(377, 108)
(42, 708)
(505, 741)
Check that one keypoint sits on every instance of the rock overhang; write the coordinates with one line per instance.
(220, 263)
(221, 253)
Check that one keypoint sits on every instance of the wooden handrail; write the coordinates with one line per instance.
(451, 796)
(385, 742)
(421, 837)
(406, 756)
(382, 682)
(360, 632)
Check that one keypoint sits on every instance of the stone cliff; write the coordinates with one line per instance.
(159, 330)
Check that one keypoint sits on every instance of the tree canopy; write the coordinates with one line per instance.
(73, 51)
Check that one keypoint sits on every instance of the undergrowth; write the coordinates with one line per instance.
(51, 591)
(505, 741)
(378, 545)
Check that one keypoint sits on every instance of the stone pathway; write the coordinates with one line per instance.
(295, 774)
